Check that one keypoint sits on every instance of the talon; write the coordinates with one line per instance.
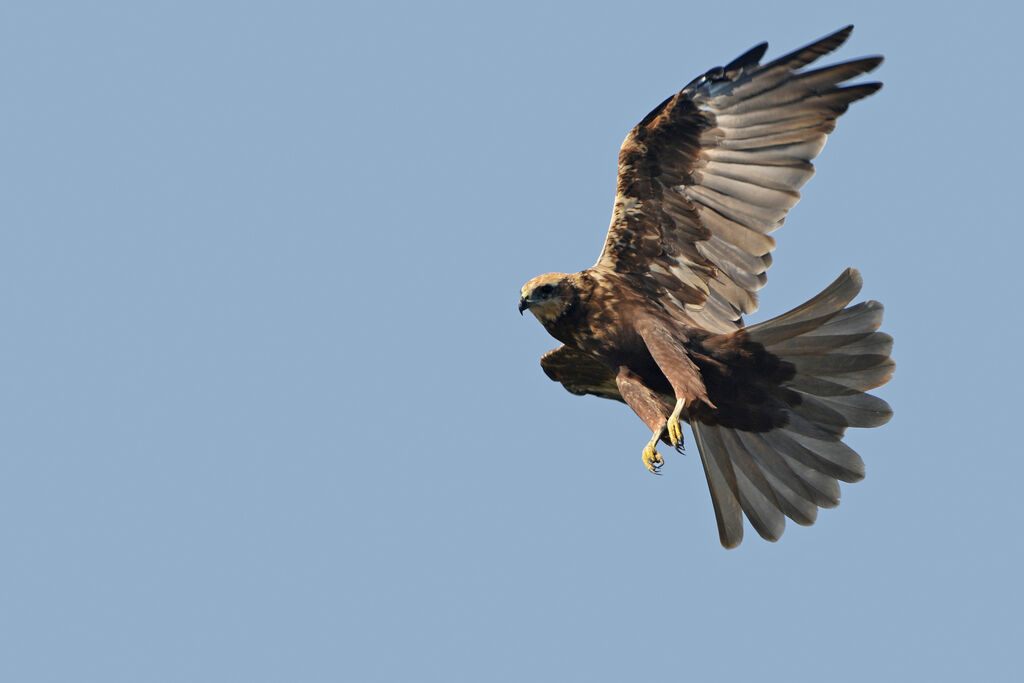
(652, 461)
(675, 430)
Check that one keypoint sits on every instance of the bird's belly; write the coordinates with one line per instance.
(652, 376)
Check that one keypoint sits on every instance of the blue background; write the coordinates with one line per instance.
(267, 411)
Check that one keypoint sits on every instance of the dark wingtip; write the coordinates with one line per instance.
(749, 58)
(841, 35)
(808, 53)
(871, 63)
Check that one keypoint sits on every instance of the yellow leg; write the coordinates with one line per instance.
(675, 430)
(652, 460)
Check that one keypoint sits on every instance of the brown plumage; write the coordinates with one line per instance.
(657, 322)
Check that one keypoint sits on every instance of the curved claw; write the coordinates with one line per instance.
(672, 426)
(652, 460)
(675, 432)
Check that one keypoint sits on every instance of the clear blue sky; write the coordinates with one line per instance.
(268, 413)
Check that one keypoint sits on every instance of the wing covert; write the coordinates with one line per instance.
(580, 373)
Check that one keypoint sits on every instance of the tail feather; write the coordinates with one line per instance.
(823, 488)
(756, 495)
(863, 318)
(802, 426)
(830, 301)
(865, 378)
(795, 499)
(811, 344)
(819, 387)
(856, 410)
(821, 415)
(722, 484)
(876, 343)
(833, 458)
(834, 364)
(794, 468)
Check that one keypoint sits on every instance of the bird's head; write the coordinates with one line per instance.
(548, 296)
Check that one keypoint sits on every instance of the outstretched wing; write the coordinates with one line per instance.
(580, 373)
(708, 174)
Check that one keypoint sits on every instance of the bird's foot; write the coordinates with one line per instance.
(675, 430)
(652, 460)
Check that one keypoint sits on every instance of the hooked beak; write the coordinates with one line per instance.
(523, 304)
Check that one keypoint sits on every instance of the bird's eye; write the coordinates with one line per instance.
(545, 290)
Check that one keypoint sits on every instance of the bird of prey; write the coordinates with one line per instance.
(657, 322)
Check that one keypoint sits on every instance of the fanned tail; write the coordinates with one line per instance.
(792, 469)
